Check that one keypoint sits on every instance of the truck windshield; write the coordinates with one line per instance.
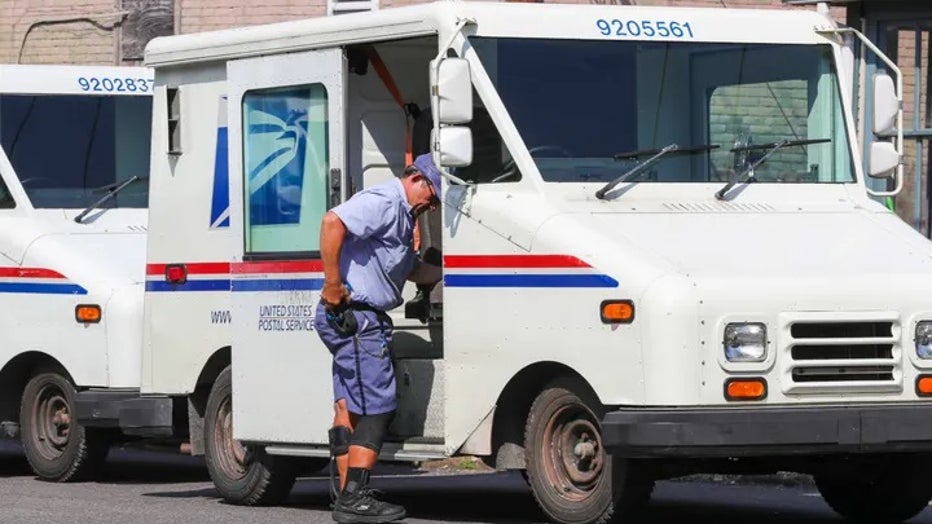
(581, 105)
(68, 150)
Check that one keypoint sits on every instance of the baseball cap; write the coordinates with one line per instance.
(425, 164)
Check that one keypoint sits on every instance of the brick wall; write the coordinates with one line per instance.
(48, 31)
(208, 15)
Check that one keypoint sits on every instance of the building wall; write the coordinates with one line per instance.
(58, 31)
(209, 15)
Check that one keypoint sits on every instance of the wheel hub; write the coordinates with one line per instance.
(575, 459)
(233, 457)
(52, 421)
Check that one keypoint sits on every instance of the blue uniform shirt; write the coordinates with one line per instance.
(378, 251)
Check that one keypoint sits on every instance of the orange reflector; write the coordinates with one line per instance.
(617, 311)
(745, 389)
(87, 313)
(924, 386)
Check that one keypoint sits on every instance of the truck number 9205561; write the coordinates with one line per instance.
(644, 28)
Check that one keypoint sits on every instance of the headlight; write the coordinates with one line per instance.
(924, 339)
(747, 342)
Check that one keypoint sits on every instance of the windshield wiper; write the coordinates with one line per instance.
(657, 155)
(770, 149)
(645, 152)
(112, 191)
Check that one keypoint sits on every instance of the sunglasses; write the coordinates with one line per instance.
(434, 199)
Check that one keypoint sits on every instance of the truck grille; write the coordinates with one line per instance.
(843, 354)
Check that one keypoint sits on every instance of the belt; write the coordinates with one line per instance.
(362, 306)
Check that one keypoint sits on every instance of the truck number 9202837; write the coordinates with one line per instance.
(115, 85)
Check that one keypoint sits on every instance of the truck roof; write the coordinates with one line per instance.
(71, 79)
(492, 19)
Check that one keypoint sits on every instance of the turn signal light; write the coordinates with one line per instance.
(745, 389)
(617, 311)
(924, 386)
(87, 313)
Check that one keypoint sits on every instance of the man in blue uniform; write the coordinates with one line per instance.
(367, 249)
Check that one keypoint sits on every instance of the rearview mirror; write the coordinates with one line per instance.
(455, 146)
(452, 90)
(886, 105)
(884, 159)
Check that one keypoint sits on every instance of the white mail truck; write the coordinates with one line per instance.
(660, 255)
(74, 164)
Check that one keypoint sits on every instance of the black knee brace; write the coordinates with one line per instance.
(339, 440)
(370, 430)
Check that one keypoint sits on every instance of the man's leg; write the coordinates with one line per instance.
(340, 437)
(356, 503)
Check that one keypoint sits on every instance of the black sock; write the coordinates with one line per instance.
(356, 478)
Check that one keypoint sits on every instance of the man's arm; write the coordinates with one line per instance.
(332, 234)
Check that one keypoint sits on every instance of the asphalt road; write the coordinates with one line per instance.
(150, 487)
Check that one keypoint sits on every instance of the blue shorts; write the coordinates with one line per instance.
(363, 371)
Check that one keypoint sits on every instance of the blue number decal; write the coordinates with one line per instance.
(644, 28)
(620, 30)
(128, 85)
(604, 28)
(648, 28)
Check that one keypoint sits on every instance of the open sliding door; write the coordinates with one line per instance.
(287, 129)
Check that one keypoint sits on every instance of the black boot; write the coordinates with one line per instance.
(357, 502)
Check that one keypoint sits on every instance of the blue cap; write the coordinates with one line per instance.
(425, 164)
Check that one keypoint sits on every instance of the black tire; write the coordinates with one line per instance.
(877, 489)
(57, 447)
(248, 477)
(572, 477)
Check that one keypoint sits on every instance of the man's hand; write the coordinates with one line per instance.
(334, 294)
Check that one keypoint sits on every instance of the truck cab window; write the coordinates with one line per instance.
(285, 168)
(67, 150)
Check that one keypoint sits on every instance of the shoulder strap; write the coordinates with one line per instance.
(386, 77)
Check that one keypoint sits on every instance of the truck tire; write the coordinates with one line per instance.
(891, 488)
(57, 447)
(572, 477)
(243, 476)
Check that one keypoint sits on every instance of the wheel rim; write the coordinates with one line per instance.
(573, 456)
(231, 454)
(51, 425)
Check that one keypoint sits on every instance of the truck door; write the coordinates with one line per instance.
(286, 147)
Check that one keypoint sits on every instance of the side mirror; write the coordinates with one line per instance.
(884, 159)
(886, 105)
(452, 90)
(455, 146)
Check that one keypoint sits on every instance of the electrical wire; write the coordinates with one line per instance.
(89, 19)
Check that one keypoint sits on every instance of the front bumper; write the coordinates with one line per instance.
(150, 416)
(761, 431)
